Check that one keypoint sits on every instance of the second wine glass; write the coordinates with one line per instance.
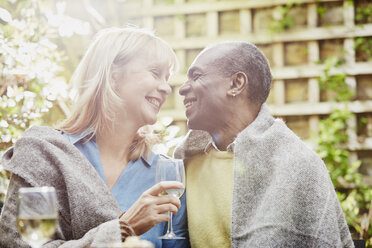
(168, 169)
(37, 215)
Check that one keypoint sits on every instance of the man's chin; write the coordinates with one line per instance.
(192, 124)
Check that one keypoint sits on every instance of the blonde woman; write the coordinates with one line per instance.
(100, 160)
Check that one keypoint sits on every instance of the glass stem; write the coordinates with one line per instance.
(170, 223)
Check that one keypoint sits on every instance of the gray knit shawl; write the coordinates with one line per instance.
(88, 212)
(282, 193)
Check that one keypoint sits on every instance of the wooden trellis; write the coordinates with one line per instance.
(293, 54)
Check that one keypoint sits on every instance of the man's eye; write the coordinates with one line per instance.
(196, 76)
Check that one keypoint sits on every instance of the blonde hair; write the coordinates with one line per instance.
(96, 100)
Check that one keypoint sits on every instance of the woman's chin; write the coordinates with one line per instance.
(151, 120)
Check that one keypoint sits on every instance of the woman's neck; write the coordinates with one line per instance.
(115, 142)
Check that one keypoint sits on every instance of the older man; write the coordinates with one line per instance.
(251, 182)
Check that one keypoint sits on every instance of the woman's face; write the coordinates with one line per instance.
(143, 85)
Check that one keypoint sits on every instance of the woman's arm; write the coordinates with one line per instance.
(147, 211)
(108, 232)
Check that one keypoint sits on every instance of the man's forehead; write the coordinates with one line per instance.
(208, 57)
(211, 54)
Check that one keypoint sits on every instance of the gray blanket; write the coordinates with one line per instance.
(88, 212)
(282, 193)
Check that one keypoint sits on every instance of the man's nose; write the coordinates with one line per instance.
(184, 89)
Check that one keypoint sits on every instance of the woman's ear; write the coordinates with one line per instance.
(114, 76)
(239, 82)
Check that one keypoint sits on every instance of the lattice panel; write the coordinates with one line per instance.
(320, 29)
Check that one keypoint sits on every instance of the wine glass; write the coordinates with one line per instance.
(37, 215)
(171, 170)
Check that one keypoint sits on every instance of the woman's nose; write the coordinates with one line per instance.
(165, 88)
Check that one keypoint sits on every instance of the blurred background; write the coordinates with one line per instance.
(320, 52)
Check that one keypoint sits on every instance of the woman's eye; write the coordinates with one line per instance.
(155, 73)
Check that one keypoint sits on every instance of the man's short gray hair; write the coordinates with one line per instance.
(246, 57)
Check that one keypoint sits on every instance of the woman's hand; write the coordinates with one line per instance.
(150, 208)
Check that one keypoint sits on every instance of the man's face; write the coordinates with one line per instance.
(205, 92)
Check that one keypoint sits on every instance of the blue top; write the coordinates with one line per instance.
(137, 177)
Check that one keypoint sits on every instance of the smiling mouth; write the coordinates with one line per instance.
(154, 101)
(189, 102)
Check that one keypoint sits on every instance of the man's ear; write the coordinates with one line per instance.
(239, 82)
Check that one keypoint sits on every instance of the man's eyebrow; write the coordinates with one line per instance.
(191, 71)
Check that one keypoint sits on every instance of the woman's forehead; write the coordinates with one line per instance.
(157, 55)
(149, 60)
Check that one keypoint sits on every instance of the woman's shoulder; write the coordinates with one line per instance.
(41, 138)
(41, 132)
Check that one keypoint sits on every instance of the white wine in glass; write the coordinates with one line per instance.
(37, 215)
(168, 169)
(175, 192)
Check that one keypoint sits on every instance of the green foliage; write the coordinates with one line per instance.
(281, 18)
(321, 11)
(335, 81)
(364, 45)
(28, 66)
(350, 2)
(332, 141)
(29, 72)
(362, 124)
(354, 196)
(364, 14)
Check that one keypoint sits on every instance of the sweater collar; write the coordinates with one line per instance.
(212, 145)
(262, 122)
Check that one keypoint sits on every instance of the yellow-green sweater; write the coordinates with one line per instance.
(209, 194)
